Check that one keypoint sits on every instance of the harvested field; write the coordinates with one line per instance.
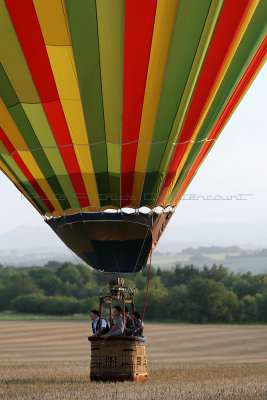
(50, 360)
(64, 340)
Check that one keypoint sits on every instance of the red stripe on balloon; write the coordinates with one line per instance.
(248, 76)
(25, 22)
(16, 157)
(24, 19)
(138, 32)
(231, 18)
(58, 124)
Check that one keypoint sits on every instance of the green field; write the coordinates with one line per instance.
(12, 316)
(236, 263)
(51, 360)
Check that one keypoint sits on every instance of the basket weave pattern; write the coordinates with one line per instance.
(118, 359)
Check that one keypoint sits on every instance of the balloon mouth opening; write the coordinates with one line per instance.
(125, 210)
(112, 242)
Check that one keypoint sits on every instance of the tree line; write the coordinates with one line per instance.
(183, 294)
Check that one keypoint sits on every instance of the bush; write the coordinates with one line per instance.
(48, 305)
(61, 306)
(30, 303)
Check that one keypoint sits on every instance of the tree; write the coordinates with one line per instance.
(242, 287)
(211, 301)
(51, 284)
(156, 301)
(248, 309)
(69, 273)
(86, 273)
(217, 273)
(261, 307)
(140, 281)
(20, 285)
(181, 294)
(53, 264)
(178, 304)
(184, 274)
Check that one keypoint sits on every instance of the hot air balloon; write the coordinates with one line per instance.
(113, 105)
(109, 107)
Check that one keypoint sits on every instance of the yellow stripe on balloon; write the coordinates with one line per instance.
(222, 74)
(54, 27)
(161, 41)
(52, 19)
(13, 134)
(10, 128)
(15, 182)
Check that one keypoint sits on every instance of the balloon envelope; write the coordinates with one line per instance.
(111, 104)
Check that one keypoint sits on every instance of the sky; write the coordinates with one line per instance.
(235, 169)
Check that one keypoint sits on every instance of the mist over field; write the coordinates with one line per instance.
(29, 245)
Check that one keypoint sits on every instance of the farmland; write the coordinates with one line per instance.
(50, 360)
(236, 262)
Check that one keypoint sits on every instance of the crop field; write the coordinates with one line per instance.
(51, 360)
(236, 264)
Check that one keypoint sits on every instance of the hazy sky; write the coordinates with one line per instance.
(236, 165)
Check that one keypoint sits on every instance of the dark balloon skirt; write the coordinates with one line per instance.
(111, 242)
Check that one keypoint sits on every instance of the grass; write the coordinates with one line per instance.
(51, 360)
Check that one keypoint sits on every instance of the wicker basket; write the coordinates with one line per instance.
(118, 358)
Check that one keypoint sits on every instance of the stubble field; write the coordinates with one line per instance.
(51, 360)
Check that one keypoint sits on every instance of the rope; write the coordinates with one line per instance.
(105, 141)
(74, 256)
(118, 268)
(148, 228)
(148, 278)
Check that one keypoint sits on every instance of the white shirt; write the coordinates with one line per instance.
(94, 325)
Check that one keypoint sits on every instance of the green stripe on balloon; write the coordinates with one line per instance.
(110, 16)
(40, 125)
(84, 35)
(191, 17)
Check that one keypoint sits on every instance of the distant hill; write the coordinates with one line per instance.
(29, 237)
(199, 258)
(198, 244)
(212, 250)
(242, 234)
(175, 238)
(27, 245)
(236, 259)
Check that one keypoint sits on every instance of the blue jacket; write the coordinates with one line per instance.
(133, 331)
